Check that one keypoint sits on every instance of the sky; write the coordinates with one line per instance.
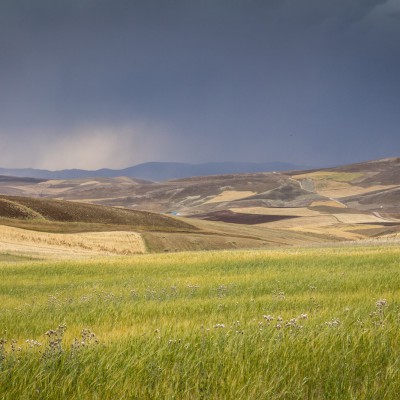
(114, 83)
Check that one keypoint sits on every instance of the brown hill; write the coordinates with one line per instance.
(39, 210)
(350, 202)
(369, 186)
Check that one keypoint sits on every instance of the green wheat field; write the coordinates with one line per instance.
(311, 323)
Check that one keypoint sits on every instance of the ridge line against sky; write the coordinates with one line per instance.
(94, 83)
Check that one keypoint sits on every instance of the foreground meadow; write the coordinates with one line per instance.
(282, 324)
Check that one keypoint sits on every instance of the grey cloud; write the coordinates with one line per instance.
(211, 80)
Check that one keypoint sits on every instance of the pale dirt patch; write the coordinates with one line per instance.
(89, 183)
(348, 190)
(230, 195)
(358, 218)
(26, 188)
(52, 182)
(313, 221)
(328, 203)
(295, 211)
(16, 239)
(340, 233)
(45, 188)
(340, 222)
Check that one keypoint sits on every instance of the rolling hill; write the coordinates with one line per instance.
(37, 210)
(371, 186)
(353, 202)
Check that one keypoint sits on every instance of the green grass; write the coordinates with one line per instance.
(336, 176)
(13, 257)
(198, 325)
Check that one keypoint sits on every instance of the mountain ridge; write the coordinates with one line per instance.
(156, 171)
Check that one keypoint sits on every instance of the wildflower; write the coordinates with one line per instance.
(32, 343)
(381, 303)
(334, 323)
(268, 317)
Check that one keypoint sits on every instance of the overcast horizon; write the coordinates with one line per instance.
(110, 84)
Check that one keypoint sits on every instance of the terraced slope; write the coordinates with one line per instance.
(369, 186)
(352, 202)
(54, 228)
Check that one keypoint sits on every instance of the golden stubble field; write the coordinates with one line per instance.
(65, 245)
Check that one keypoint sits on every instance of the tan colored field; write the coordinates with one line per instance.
(328, 203)
(230, 195)
(89, 243)
(330, 175)
(338, 184)
(267, 232)
(358, 218)
(296, 211)
(344, 190)
(310, 226)
(316, 221)
(332, 231)
(89, 183)
(52, 182)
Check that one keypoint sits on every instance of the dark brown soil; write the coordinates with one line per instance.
(9, 209)
(241, 218)
(336, 210)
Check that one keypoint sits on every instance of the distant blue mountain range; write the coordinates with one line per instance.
(157, 171)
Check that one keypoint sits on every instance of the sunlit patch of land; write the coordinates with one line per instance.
(89, 243)
(341, 190)
(328, 203)
(330, 175)
(229, 195)
(298, 212)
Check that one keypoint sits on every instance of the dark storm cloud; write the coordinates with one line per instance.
(113, 83)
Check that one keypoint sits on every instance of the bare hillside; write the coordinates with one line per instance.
(354, 202)
(36, 210)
